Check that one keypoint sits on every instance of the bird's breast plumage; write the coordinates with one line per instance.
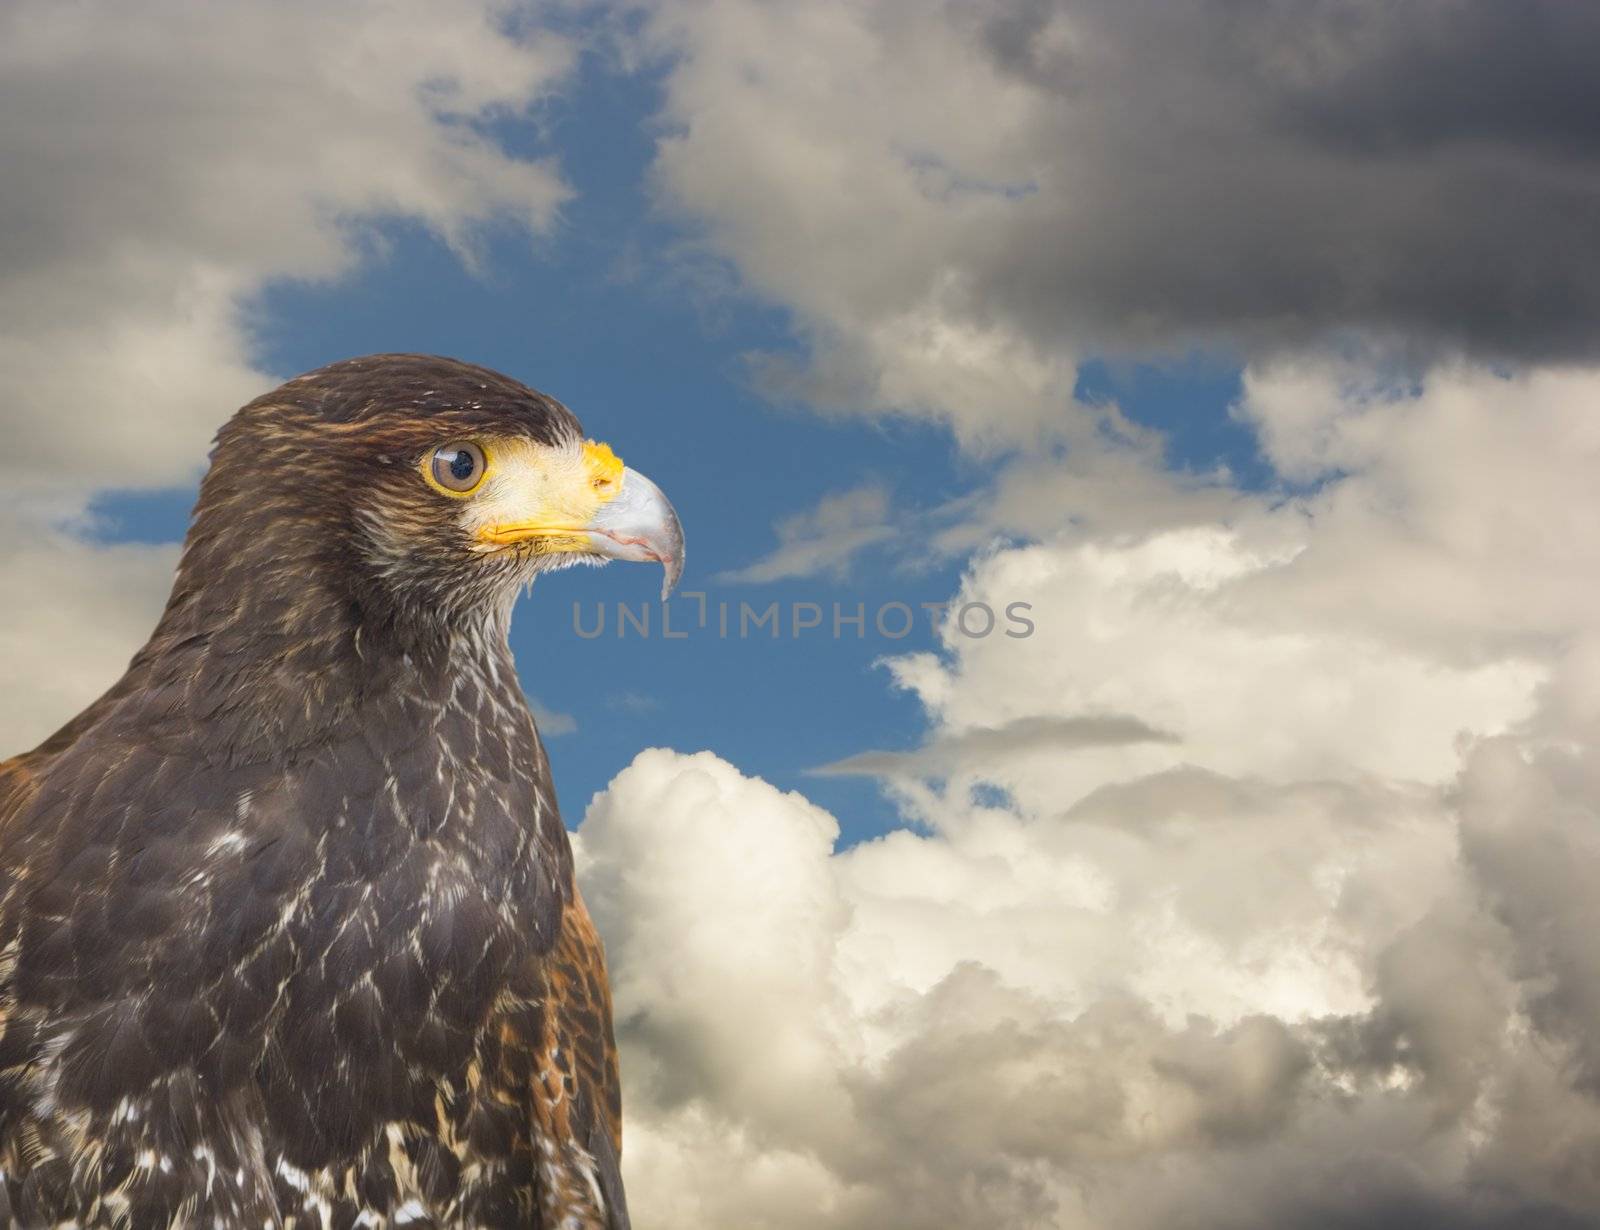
(271, 982)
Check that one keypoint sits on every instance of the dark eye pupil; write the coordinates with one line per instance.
(462, 465)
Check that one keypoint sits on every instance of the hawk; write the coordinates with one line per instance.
(288, 929)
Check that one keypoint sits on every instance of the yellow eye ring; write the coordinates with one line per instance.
(456, 469)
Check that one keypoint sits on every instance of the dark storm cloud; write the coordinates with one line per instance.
(1272, 172)
(1409, 1210)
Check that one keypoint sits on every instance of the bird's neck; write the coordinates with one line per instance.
(282, 660)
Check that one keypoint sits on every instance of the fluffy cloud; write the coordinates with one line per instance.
(1273, 909)
(1239, 1006)
(958, 199)
(1463, 522)
(162, 166)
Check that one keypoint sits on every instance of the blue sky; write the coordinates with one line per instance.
(604, 315)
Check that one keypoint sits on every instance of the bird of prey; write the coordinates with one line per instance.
(288, 929)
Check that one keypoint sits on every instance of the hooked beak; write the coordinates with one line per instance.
(583, 502)
(639, 524)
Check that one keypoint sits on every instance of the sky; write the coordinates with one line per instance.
(1250, 346)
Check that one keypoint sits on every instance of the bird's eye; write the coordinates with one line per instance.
(458, 467)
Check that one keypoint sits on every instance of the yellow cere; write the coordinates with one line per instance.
(604, 465)
(540, 498)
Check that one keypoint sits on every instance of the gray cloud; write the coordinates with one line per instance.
(825, 539)
(959, 200)
(1532, 833)
(163, 166)
(970, 750)
(1274, 171)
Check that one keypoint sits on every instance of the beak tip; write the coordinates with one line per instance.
(671, 571)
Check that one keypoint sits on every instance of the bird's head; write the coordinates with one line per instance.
(430, 486)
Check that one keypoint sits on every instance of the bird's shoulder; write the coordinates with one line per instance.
(17, 785)
(551, 1047)
(20, 776)
(106, 1000)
